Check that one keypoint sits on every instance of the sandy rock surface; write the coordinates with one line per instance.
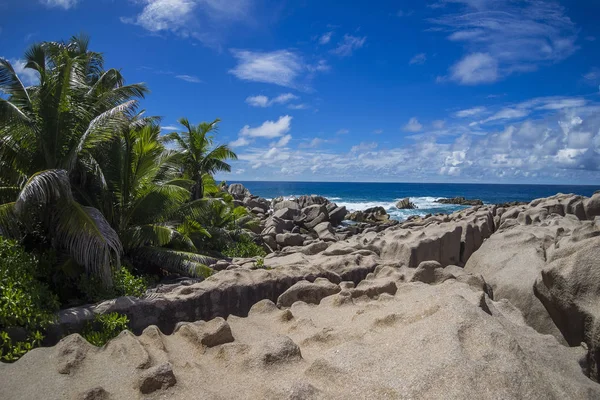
(486, 303)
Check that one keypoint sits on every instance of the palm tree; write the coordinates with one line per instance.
(199, 157)
(140, 191)
(48, 132)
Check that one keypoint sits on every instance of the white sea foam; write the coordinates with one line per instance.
(425, 205)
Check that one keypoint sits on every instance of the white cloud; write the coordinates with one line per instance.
(347, 46)
(300, 106)
(313, 143)
(66, 4)
(342, 131)
(269, 129)
(438, 124)
(418, 59)
(283, 141)
(553, 145)
(325, 38)
(204, 20)
(474, 69)
(281, 67)
(264, 101)
(240, 142)
(258, 101)
(413, 125)
(363, 146)
(503, 37)
(189, 78)
(470, 112)
(169, 128)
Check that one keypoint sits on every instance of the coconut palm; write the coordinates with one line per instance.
(199, 155)
(141, 193)
(48, 132)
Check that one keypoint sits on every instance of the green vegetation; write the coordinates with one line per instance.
(105, 327)
(244, 247)
(97, 202)
(26, 305)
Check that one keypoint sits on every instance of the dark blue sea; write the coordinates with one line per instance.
(359, 196)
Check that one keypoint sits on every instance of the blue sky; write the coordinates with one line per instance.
(429, 91)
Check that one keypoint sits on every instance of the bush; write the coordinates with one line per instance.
(244, 247)
(105, 327)
(125, 283)
(27, 306)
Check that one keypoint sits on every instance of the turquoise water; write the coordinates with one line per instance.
(358, 196)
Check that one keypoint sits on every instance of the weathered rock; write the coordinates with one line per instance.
(461, 201)
(431, 272)
(325, 232)
(405, 204)
(308, 292)
(307, 201)
(313, 212)
(238, 191)
(278, 350)
(97, 393)
(591, 206)
(287, 213)
(291, 204)
(157, 378)
(289, 239)
(337, 215)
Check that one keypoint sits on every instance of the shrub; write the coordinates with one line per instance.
(26, 305)
(244, 247)
(125, 283)
(105, 327)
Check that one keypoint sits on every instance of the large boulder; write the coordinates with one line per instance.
(405, 204)
(592, 206)
(325, 232)
(337, 215)
(287, 213)
(289, 239)
(306, 201)
(312, 212)
(569, 288)
(291, 204)
(308, 292)
(238, 191)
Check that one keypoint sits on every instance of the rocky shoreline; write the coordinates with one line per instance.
(494, 302)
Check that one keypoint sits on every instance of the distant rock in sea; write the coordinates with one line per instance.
(460, 201)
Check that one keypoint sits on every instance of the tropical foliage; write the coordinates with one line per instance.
(88, 183)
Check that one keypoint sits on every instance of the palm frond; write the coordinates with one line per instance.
(88, 237)
(46, 187)
(174, 261)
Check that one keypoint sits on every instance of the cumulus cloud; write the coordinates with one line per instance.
(413, 125)
(264, 101)
(204, 20)
(558, 141)
(348, 44)
(280, 67)
(502, 37)
(268, 130)
(66, 4)
(418, 59)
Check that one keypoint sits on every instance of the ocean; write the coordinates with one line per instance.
(359, 196)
